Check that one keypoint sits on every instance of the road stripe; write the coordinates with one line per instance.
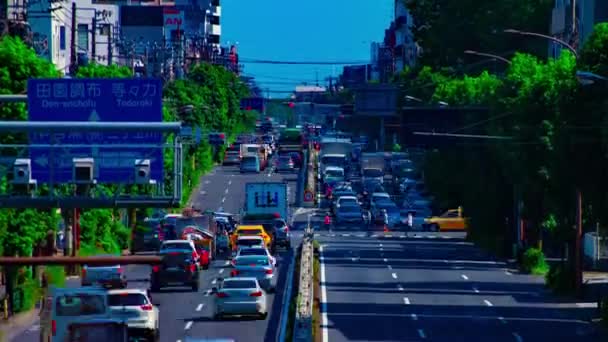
(464, 277)
(188, 325)
(508, 273)
(385, 260)
(406, 301)
(502, 320)
(390, 267)
(221, 270)
(324, 321)
(394, 275)
(199, 307)
(214, 281)
(475, 290)
(414, 317)
(517, 337)
(488, 303)
(400, 288)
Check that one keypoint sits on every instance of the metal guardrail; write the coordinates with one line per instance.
(302, 331)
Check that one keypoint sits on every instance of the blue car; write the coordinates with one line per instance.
(250, 163)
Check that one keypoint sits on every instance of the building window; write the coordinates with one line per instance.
(83, 37)
(62, 38)
(215, 20)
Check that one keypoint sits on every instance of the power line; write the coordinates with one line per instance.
(264, 61)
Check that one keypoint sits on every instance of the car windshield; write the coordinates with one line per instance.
(253, 251)
(332, 160)
(127, 299)
(175, 245)
(249, 160)
(373, 173)
(81, 304)
(239, 284)
(252, 261)
(334, 173)
(349, 209)
(250, 232)
(249, 242)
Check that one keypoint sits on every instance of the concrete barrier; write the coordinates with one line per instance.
(302, 331)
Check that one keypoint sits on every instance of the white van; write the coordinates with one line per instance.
(64, 306)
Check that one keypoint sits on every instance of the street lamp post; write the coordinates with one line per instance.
(534, 34)
(483, 54)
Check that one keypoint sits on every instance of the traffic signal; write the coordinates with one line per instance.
(217, 138)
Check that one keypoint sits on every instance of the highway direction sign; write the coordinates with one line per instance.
(114, 100)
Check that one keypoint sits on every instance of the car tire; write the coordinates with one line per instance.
(195, 287)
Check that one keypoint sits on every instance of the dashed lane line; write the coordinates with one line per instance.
(464, 277)
(406, 301)
(517, 337)
(414, 317)
(488, 303)
(200, 307)
(400, 288)
(421, 333)
(394, 275)
(502, 320)
(476, 290)
(221, 271)
(385, 260)
(188, 325)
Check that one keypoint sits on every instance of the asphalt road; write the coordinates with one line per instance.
(184, 313)
(434, 286)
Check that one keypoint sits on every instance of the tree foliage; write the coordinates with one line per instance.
(558, 145)
(94, 70)
(446, 28)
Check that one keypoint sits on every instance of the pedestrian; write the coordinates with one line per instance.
(327, 221)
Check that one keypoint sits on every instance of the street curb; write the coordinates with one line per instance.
(18, 324)
(287, 299)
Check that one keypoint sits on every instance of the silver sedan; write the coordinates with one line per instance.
(259, 267)
(240, 296)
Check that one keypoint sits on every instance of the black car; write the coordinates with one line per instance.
(177, 267)
(147, 236)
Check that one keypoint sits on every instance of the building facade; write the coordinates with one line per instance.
(575, 25)
(51, 29)
(406, 49)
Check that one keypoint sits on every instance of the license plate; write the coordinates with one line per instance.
(172, 269)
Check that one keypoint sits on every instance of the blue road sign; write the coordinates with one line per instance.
(116, 100)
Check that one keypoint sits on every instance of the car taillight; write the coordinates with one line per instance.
(119, 269)
(256, 294)
(83, 272)
(54, 327)
(234, 273)
(268, 272)
(155, 269)
(221, 295)
(191, 268)
(146, 307)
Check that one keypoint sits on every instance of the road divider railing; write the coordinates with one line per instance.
(303, 329)
(310, 195)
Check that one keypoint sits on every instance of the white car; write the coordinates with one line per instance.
(259, 251)
(136, 309)
(181, 244)
(246, 241)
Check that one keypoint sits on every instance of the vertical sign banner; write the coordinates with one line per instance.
(109, 100)
(174, 21)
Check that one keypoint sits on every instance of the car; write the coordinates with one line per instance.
(246, 241)
(177, 266)
(250, 163)
(181, 244)
(240, 296)
(282, 235)
(254, 251)
(259, 267)
(297, 158)
(250, 230)
(350, 214)
(232, 157)
(379, 196)
(393, 212)
(285, 164)
(135, 308)
(106, 276)
(333, 175)
(345, 200)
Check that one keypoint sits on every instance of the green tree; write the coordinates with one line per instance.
(94, 70)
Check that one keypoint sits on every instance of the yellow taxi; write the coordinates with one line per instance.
(250, 230)
(452, 219)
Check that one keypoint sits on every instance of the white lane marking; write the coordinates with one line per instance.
(229, 181)
(346, 235)
(199, 307)
(269, 175)
(464, 277)
(414, 317)
(394, 275)
(214, 281)
(421, 333)
(406, 301)
(380, 245)
(508, 273)
(354, 259)
(476, 290)
(227, 263)
(207, 181)
(389, 235)
(207, 293)
(385, 260)
(381, 248)
(221, 270)
(502, 320)
(226, 191)
(446, 237)
(390, 267)
(178, 341)
(324, 321)
(431, 236)
(223, 199)
(517, 337)
(203, 192)
(400, 288)
(188, 325)
(488, 303)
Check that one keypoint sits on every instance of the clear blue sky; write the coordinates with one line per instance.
(309, 30)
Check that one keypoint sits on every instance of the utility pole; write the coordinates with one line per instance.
(110, 57)
(94, 38)
(73, 59)
(578, 271)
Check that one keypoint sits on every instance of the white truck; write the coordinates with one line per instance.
(335, 152)
(267, 204)
(372, 166)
